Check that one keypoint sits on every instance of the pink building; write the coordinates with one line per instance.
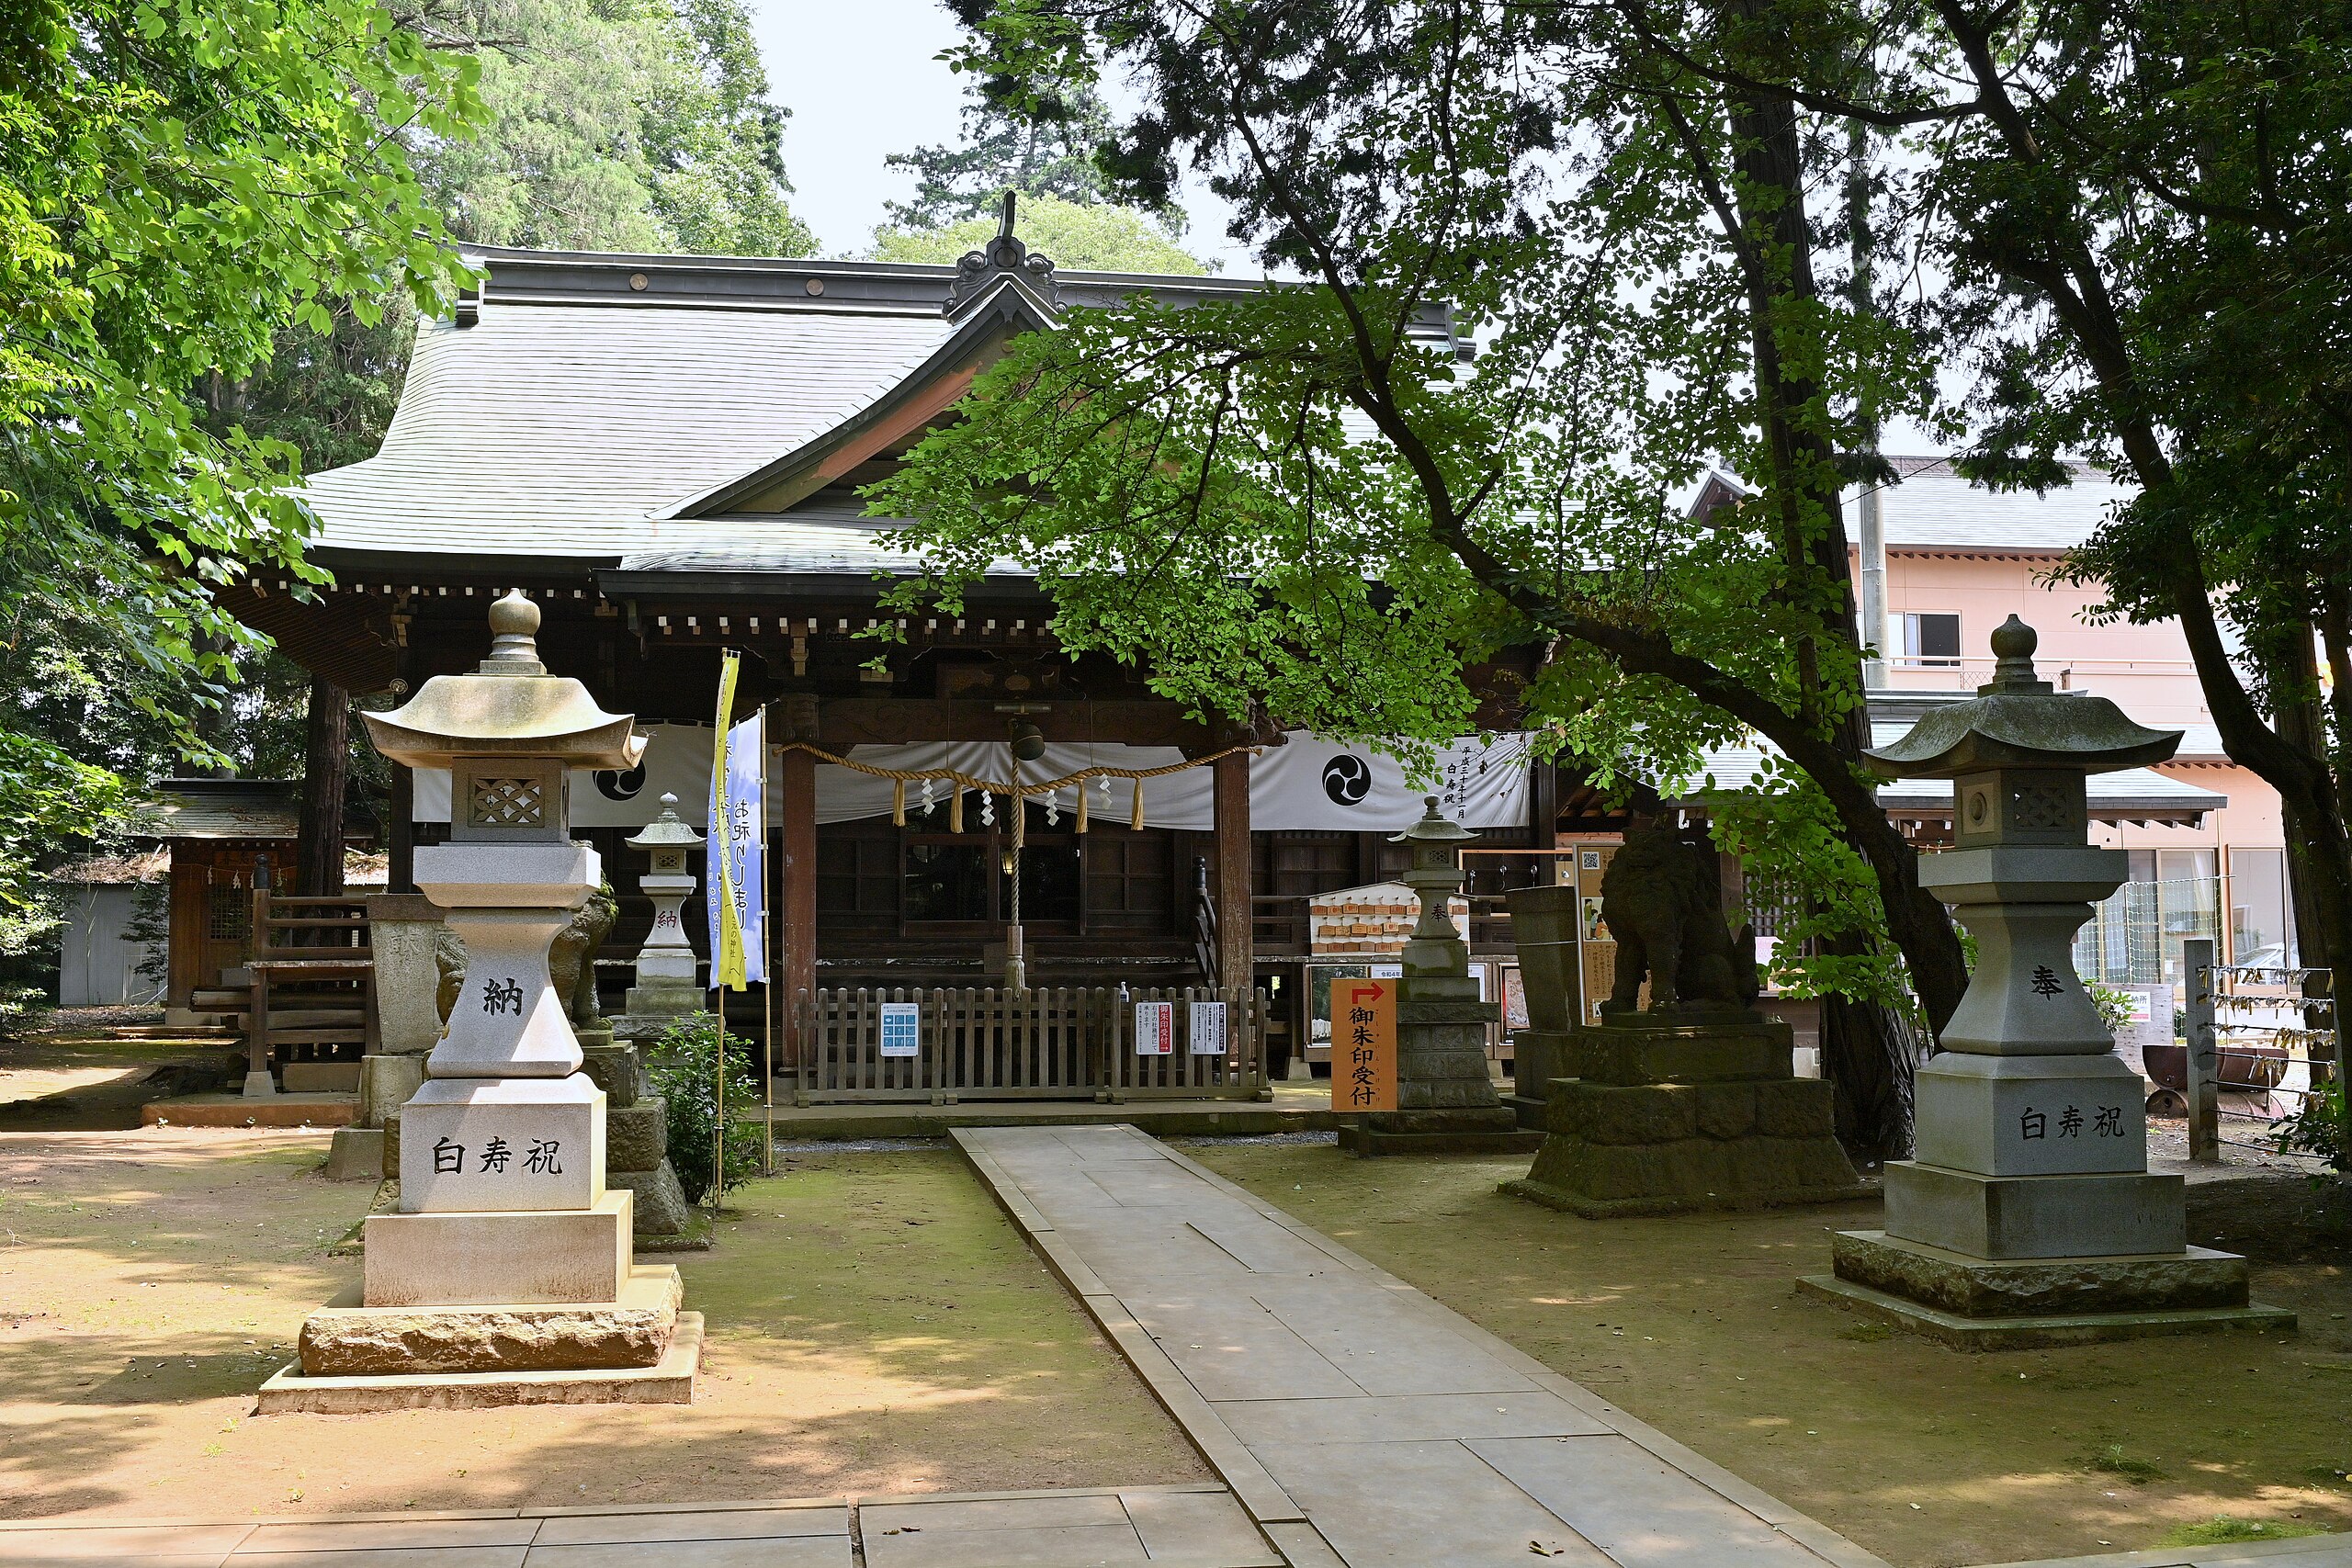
(1945, 564)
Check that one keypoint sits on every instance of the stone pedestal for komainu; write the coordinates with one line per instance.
(506, 1276)
(1446, 1101)
(1692, 1102)
(1694, 1109)
(2026, 1214)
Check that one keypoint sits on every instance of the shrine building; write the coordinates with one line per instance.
(664, 453)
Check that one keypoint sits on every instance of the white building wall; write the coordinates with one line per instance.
(97, 963)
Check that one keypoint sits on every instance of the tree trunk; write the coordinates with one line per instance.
(2315, 848)
(1858, 1050)
(326, 753)
(1863, 1057)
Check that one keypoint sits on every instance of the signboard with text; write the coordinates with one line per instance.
(1205, 1029)
(1363, 1044)
(1155, 1029)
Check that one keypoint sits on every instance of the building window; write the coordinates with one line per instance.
(228, 913)
(947, 879)
(2262, 919)
(1930, 638)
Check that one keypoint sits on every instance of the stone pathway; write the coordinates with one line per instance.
(1361, 1423)
(1143, 1527)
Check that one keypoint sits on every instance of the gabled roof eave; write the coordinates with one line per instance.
(1004, 310)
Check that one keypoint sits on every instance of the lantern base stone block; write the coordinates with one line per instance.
(1666, 1114)
(670, 1380)
(487, 1258)
(2031, 1115)
(2003, 1218)
(344, 1338)
(1973, 1304)
(1466, 1130)
(472, 1144)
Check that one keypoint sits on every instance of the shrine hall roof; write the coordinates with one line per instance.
(581, 405)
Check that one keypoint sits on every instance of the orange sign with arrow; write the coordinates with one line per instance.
(1363, 1044)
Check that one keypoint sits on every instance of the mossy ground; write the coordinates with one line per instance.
(875, 1326)
(1927, 1456)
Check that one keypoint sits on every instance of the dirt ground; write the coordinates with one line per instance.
(1927, 1456)
(66, 1080)
(874, 1324)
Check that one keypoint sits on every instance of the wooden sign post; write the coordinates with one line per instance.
(1363, 1044)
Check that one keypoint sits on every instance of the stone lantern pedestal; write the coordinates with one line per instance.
(1446, 1101)
(2026, 1214)
(506, 1277)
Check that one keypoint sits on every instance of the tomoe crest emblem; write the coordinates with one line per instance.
(1347, 779)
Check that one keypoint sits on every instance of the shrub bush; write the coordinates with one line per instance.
(683, 1065)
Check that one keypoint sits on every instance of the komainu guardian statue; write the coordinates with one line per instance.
(1663, 902)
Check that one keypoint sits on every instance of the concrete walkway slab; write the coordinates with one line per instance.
(1191, 1524)
(1363, 1424)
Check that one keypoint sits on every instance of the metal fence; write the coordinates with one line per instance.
(2135, 937)
(1055, 1042)
(2258, 1044)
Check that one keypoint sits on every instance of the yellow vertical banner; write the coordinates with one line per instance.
(726, 921)
(1363, 1044)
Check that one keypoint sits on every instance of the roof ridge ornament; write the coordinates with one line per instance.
(1005, 256)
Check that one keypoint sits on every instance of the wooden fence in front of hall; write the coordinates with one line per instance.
(1058, 1042)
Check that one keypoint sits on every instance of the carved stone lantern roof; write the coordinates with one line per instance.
(2019, 721)
(509, 705)
(1433, 832)
(665, 831)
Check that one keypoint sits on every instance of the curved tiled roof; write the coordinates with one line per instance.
(564, 431)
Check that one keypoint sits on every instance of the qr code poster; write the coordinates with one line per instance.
(901, 1029)
(1205, 1027)
(1155, 1029)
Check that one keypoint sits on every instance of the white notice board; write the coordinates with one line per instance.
(901, 1029)
(1206, 1029)
(1155, 1029)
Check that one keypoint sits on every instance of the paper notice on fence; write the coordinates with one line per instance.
(1363, 1044)
(901, 1029)
(1206, 1029)
(1155, 1029)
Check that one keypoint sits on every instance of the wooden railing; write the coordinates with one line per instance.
(1059, 1043)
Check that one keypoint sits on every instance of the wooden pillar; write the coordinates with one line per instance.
(796, 893)
(191, 884)
(1543, 820)
(399, 833)
(1229, 870)
(326, 761)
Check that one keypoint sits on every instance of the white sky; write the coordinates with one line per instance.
(863, 80)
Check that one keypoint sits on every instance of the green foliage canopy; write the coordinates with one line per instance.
(630, 125)
(178, 180)
(1300, 505)
(1046, 150)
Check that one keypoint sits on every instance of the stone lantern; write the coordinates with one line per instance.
(505, 1276)
(665, 987)
(1446, 1101)
(2026, 1214)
